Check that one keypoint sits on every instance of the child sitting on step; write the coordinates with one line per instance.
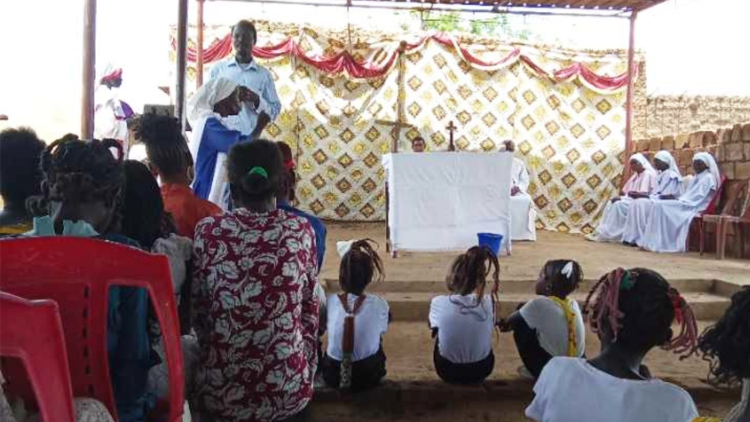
(726, 346)
(632, 312)
(356, 321)
(463, 321)
(552, 324)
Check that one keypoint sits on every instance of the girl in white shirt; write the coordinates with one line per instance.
(464, 320)
(552, 324)
(632, 312)
(727, 346)
(356, 322)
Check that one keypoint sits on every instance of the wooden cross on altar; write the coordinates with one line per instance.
(451, 128)
(396, 127)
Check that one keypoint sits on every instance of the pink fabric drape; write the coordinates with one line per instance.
(364, 69)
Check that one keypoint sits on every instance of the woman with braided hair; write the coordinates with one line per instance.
(464, 320)
(356, 321)
(632, 311)
(82, 190)
(726, 345)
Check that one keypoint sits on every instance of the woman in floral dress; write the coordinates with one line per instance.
(256, 315)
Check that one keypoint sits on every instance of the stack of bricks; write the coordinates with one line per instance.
(730, 147)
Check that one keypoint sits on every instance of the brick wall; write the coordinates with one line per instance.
(664, 115)
(731, 148)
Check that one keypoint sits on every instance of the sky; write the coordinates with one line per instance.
(691, 48)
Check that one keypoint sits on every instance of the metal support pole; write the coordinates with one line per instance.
(182, 18)
(89, 69)
(199, 47)
(630, 95)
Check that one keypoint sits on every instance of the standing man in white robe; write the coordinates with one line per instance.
(640, 185)
(522, 212)
(668, 186)
(669, 223)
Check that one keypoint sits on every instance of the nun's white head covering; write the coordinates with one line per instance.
(201, 104)
(643, 160)
(709, 161)
(666, 157)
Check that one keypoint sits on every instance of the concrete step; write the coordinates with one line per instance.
(415, 306)
(411, 382)
(525, 286)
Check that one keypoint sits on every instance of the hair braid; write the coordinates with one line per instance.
(360, 266)
(84, 171)
(469, 275)
(638, 307)
(726, 344)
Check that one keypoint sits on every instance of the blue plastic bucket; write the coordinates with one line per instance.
(491, 240)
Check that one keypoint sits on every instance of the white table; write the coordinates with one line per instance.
(440, 201)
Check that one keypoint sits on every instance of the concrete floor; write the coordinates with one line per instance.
(528, 258)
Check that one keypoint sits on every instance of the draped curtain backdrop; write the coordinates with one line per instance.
(348, 97)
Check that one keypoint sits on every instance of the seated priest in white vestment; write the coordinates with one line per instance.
(668, 186)
(640, 185)
(522, 211)
(418, 144)
(669, 223)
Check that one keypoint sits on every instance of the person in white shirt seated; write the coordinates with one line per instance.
(463, 321)
(551, 324)
(522, 211)
(640, 185)
(632, 312)
(668, 186)
(669, 222)
(356, 321)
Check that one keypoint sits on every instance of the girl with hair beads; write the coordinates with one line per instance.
(552, 324)
(726, 346)
(463, 321)
(356, 321)
(632, 311)
(83, 194)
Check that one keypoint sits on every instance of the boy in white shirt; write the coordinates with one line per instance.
(356, 321)
(632, 313)
(463, 321)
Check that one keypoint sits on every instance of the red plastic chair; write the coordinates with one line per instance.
(77, 273)
(32, 333)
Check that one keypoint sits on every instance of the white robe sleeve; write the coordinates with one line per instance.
(701, 188)
(520, 175)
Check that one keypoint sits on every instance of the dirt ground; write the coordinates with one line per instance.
(511, 410)
(457, 411)
(528, 258)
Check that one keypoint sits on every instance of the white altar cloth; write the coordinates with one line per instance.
(440, 201)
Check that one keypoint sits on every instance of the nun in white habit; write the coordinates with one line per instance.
(640, 185)
(669, 223)
(668, 186)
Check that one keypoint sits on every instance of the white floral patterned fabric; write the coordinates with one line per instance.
(256, 315)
